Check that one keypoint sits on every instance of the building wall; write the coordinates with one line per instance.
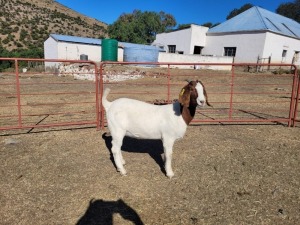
(72, 51)
(50, 51)
(198, 37)
(178, 58)
(248, 45)
(183, 39)
(275, 44)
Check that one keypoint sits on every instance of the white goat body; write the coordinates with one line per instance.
(129, 117)
(143, 120)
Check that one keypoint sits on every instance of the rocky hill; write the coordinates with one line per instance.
(27, 23)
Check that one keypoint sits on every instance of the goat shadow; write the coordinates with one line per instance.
(101, 212)
(153, 147)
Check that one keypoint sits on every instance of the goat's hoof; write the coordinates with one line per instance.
(170, 175)
(123, 172)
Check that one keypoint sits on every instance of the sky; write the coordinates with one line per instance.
(184, 11)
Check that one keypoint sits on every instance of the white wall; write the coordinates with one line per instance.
(198, 37)
(179, 38)
(251, 45)
(185, 39)
(179, 58)
(50, 51)
(72, 51)
(248, 45)
(275, 44)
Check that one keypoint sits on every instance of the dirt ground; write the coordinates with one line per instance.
(224, 174)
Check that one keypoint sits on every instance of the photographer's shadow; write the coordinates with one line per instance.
(101, 212)
(152, 147)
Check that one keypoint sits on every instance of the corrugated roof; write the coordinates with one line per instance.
(75, 39)
(259, 19)
(94, 41)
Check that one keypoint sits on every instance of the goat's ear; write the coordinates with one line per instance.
(184, 96)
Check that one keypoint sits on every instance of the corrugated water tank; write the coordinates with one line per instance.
(140, 54)
(109, 51)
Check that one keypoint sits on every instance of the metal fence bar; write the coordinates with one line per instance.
(18, 94)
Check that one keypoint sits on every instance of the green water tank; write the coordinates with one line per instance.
(109, 51)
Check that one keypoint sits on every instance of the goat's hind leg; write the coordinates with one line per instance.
(117, 141)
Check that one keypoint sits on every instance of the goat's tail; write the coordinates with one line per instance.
(106, 104)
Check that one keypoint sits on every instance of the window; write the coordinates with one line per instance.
(284, 53)
(197, 50)
(229, 51)
(172, 48)
(296, 57)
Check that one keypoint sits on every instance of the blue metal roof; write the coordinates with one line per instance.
(259, 19)
(75, 39)
(94, 41)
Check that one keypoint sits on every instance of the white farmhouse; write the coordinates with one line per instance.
(255, 33)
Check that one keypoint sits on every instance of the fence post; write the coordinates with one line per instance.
(257, 69)
(98, 102)
(169, 77)
(101, 94)
(231, 92)
(18, 92)
(294, 98)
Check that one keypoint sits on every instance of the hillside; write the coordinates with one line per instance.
(27, 23)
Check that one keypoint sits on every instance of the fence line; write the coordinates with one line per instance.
(69, 94)
(265, 98)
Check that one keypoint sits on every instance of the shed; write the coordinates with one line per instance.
(70, 48)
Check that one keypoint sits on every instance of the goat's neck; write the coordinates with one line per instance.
(187, 113)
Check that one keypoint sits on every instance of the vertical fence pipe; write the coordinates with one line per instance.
(101, 94)
(18, 93)
(97, 97)
(297, 97)
(293, 99)
(231, 92)
(169, 91)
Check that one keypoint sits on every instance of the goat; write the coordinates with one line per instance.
(137, 119)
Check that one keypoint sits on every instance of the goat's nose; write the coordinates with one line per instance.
(202, 102)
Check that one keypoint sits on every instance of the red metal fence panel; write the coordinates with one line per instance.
(238, 95)
(35, 96)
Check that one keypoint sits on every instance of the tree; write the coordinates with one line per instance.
(140, 27)
(183, 26)
(290, 10)
(208, 24)
(235, 12)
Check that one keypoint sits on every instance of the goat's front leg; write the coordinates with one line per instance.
(168, 151)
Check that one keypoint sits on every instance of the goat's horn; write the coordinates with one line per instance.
(187, 80)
